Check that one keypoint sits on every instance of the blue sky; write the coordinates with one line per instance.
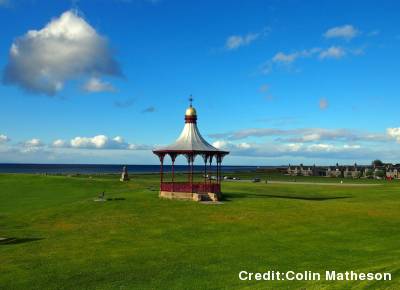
(274, 82)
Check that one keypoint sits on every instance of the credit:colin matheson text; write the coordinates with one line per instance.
(313, 276)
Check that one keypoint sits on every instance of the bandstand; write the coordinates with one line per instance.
(191, 144)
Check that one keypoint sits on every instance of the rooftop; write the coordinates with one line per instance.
(190, 139)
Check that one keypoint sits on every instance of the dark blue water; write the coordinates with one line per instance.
(104, 168)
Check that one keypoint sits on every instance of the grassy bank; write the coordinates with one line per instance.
(65, 240)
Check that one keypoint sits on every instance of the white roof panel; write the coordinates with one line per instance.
(190, 140)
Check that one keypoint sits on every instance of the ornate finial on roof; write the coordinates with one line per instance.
(191, 112)
(190, 100)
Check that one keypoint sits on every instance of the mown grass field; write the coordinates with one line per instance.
(65, 240)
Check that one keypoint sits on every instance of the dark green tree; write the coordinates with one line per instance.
(377, 163)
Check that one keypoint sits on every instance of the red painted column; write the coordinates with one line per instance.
(173, 169)
(173, 157)
(191, 173)
(219, 163)
(218, 173)
(205, 172)
(188, 168)
(161, 157)
(161, 171)
(217, 169)
(210, 172)
(190, 159)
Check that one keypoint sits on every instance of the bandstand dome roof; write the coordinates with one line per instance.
(190, 139)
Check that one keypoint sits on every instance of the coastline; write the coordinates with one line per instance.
(65, 169)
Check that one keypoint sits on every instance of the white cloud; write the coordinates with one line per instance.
(136, 147)
(287, 59)
(307, 144)
(284, 58)
(220, 144)
(311, 137)
(16, 153)
(4, 139)
(323, 104)
(320, 147)
(42, 61)
(236, 41)
(394, 133)
(295, 150)
(98, 142)
(226, 145)
(346, 32)
(332, 52)
(244, 145)
(118, 139)
(303, 135)
(347, 146)
(95, 85)
(59, 143)
(293, 147)
(338, 135)
(33, 143)
(3, 2)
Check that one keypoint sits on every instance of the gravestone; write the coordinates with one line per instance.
(124, 176)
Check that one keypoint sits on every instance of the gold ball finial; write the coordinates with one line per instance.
(190, 111)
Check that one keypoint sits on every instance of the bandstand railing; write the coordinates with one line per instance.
(188, 187)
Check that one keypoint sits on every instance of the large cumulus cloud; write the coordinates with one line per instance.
(98, 142)
(41, 61)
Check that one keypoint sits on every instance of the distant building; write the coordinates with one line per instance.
(392, 171)
(352, 172)
(301, 171)
(335, 171)
(355, 171)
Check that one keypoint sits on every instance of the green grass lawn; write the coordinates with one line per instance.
(65, 240)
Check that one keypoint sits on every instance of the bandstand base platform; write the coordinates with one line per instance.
(195, 196)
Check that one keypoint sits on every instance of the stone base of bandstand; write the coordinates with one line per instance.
(195, 196)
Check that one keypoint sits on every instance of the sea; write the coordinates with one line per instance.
(107, 168)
